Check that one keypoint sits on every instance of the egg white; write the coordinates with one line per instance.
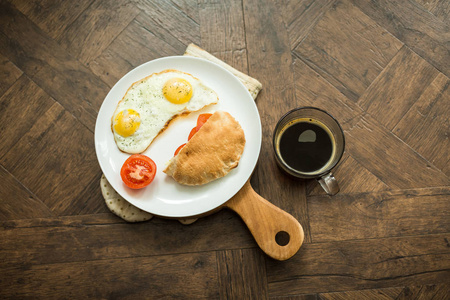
(146, 97)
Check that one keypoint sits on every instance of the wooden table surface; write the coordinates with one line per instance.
(380, 67)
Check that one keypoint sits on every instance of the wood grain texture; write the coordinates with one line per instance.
(170, 21)
(59, 176)
(62, 77)
(399, 86)
(9, 74)
(431, 291)
(242, 274)
(91, 32)
(38, 102)
(127, 52)
(52, 16)
(363, 264)
(378, 215)
(362, 53)
(30, 206)
(76, 238)
(383, 294)
(141, 277)
(223, 26)
(421, 31)
(381, 68)
(426, 124)
(386, 152)
(439, 8)
(301, 16)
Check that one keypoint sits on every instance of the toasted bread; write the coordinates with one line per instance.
(211, 153)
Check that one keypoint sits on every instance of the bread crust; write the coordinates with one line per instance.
(211, 153)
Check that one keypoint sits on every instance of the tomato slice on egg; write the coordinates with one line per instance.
(138, 171)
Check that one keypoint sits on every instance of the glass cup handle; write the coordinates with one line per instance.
(329, 184)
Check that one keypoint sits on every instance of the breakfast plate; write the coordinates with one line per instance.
(164, 196)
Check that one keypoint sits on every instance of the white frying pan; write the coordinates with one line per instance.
(166, 198)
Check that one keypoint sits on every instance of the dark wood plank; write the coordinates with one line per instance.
(381, 294)
(389, 158)
(76, 89)
(50, 66)
(190, 8)
(388, 103)
(377, 215)
(301, 16)
(431, 291)
(24, 242)
(64, 221)
(364, 264)
(222, 26)
(89, 35)
(425, 126)
(165, 40)
(13, 109)
(9, 73)
(56, 161)
(242, 274)
(298, 297)
(268, 42)
(52, 16)
(439, 8)
(20, 56)
(189, 276)
(421, 31)
(16, 202)
(110, 67)
(348, 49)
(175, 23)
(138, 43)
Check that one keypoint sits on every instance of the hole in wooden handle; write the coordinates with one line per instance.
(282, 238)
(277, 233)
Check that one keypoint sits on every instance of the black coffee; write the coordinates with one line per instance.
(306, 146)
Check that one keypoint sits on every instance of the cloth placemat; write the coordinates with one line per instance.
(122, 208)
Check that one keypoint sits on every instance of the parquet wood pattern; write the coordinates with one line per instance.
(380, 67)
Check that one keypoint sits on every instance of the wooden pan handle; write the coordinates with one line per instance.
(277, 233)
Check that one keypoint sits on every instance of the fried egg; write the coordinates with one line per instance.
(151, 103)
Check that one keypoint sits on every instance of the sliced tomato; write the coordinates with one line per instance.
(138, 171)
(191, 134)
(202, 120)
(179, 148)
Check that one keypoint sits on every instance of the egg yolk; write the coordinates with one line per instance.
(127, 122)
(177, 90)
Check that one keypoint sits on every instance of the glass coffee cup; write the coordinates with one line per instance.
(308, 143)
